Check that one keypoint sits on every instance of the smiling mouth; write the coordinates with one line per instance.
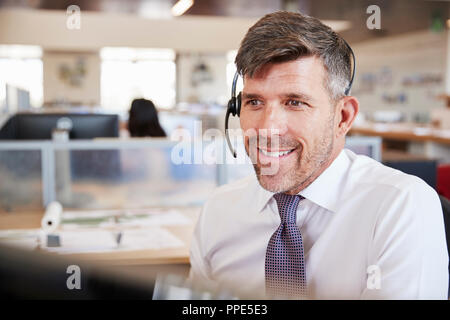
(275, 154)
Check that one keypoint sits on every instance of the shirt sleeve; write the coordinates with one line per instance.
(408, 256)
(199, 274)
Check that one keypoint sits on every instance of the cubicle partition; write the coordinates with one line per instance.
(23, 176)
(117, 174)
(103, 174)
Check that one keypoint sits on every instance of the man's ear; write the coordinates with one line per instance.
(347, 109)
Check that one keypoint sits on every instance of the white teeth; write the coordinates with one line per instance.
(275, 154)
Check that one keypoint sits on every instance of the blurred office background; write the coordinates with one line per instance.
(53, 64)
(67, 82)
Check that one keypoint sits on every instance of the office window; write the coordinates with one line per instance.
(128, 73)
(21, 68)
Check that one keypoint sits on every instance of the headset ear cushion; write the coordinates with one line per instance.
(232, 106)
(238, 103)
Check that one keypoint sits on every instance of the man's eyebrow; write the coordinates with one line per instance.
(300, 96)
(291, 95)
(251, 96)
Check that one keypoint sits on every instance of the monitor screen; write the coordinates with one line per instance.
(83, 164)
(40, 275)
(39, 126)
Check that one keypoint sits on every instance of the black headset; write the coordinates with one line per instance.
(234, 104)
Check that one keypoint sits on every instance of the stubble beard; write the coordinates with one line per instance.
(303, 172)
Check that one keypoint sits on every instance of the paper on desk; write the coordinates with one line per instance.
(86, 214)
(21, 238)
(166, 218)
(442, 133)
(171, 217)
(120, 212)
(98, 240)
(421, 131)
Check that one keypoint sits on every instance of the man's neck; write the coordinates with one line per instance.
(334, 154)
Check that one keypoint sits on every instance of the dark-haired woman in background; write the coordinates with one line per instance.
(145, 164)
(143, 120)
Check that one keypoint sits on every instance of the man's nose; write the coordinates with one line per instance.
(274, 119)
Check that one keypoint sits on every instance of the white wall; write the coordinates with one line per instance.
(420, 53)
(215, 91)
(58, 89)
(47, 28)
(210, 36)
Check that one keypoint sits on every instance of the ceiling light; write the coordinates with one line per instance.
(181, 7)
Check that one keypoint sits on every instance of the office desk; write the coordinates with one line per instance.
(425, 141)
(404, 132)
(179, 255)
(20, 220)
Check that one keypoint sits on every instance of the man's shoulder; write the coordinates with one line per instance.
(234, 188)
(366, 171)
(236, 194)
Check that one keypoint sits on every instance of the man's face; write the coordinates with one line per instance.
(289, 123)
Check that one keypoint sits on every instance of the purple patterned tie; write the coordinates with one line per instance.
(285, 263)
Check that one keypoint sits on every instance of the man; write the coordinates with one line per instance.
(328, 224)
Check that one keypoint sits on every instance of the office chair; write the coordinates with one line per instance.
(446, 210)
(443, 180)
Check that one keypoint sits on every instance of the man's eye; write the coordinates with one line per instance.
(253, 102)
(295, 103)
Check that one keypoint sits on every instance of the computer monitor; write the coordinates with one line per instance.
(39, 126)
(83, 164)
(368, 146)
(38, 275)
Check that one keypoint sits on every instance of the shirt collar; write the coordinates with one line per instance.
(263, 196)
(325, 190)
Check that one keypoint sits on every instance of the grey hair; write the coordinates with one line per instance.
(286, 36)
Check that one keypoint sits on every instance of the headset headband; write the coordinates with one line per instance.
(347, 90)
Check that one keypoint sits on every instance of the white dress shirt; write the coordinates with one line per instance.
(369, 232)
